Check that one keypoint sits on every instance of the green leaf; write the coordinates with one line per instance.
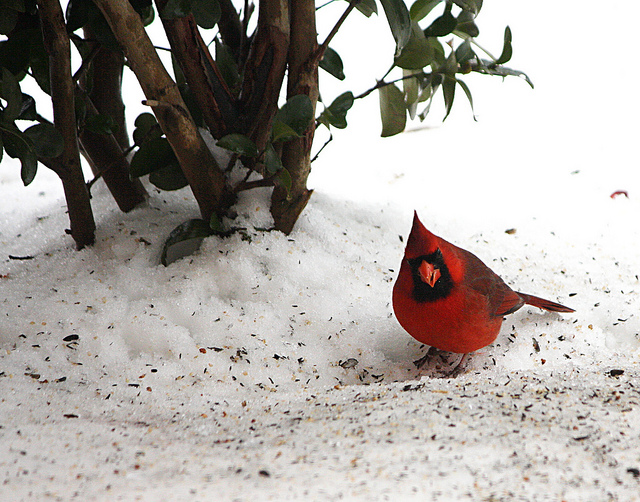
(151, 156)
(227, 65)
(46, 139)
(28, 108)
(284, 179)
(140, 5)
(342, 104)
(336, 113)
(144, 123)
(79, 13)
(101, 124)
(296, 113)
(184, 240)
(240, 144)
(29, 167)
(148, 15)
(488, 68)
(466, 24)
(215, 224)
(449, 92)
(399, 21)
(367, 7)
(438, 52)
(467, 92)
(282, 132)
(206, 12)
(507, 50)
(332, 64)
(15, 52)
(432, 85)
(39, 62)
(192, 104)
(392, 110)
(19, 146)
(442, 26)
(176, 8)
(272, 161)
(450, 65)
(10, 92)
(411, 87)
(421, 9)
(418, 52)
(177, 71)
(472, 6)
(169, 177)
(464, 52)
(17, 5)
(13, 138)
(8, 20)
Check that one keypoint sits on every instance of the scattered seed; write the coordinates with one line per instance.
(536, 345)
(349, 363)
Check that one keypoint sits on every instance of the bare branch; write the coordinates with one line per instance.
(286, 205)
(200, 167)
(323, 47)
(209, 89)
(67, 165)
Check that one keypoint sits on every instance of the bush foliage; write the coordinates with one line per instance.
(231, 85)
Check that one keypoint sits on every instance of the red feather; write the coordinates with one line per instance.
(461, 305)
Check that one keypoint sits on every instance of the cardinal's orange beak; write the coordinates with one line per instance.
(428, 273)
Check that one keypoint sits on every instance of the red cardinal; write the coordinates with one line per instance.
(447, 298)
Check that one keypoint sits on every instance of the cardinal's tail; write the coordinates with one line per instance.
(544, 304)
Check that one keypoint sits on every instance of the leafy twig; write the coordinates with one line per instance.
(382, 83)
(322, 147)
(323, 47)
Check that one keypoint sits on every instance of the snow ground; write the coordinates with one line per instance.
(274, 369)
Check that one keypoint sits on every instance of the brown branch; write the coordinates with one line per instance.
(264, 71)
(286, 206)
(201, 72)
(382, 83)
(107, 159)
(97, 175)
(198, 164)
(67, 165)
(86, 62)
(259, 183)
(245, 41)
(230, 26)
(106, 88)
(101, 77)
(323, 47)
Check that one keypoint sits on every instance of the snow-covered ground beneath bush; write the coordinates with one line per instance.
(273, 368)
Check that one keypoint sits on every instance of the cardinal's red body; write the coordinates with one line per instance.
(447, 298)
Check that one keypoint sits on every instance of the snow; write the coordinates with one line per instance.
(271, 367)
